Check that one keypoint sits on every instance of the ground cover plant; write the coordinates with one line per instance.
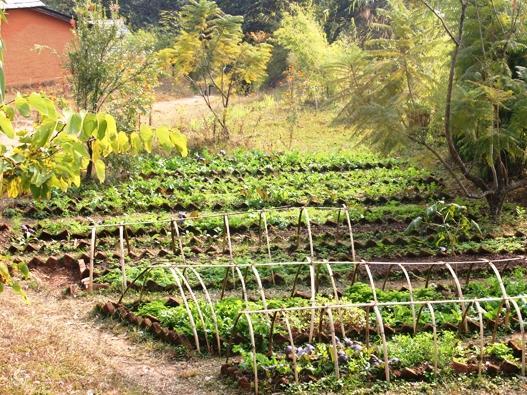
(359, 347)
(306, 244)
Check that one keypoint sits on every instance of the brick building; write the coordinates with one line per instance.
(35, 39)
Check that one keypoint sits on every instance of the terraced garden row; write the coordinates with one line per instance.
(188, 192)
(173, 218)
(467, 338)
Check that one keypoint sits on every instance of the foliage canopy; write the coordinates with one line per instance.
(210, 52)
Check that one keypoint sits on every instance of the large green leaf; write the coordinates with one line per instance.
(89, 126)
(135, 142)
(122, 142)
(74, 124)
(43, 133)
(146, 135)
(6, 126)
(22, 106)
(180, 142)
(100, 170)
(43, 105)
(163, 137)
(101, 131)
(111, 127)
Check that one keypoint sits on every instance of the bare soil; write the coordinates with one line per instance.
(57, 345)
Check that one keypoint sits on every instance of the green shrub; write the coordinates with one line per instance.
(419, 349)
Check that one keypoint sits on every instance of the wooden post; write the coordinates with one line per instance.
(121, 256)
(127, 238)
(92, 258)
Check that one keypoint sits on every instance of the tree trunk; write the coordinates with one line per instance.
(495, 202)
(224, 129)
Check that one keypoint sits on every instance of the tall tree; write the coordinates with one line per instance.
(485, 118)
(308, 53)
(259, 15)
(469, 113)
(211, 54)
(112, 69)
(390, 86)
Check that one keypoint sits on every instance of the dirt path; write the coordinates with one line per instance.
(56, 345)
(180, 111)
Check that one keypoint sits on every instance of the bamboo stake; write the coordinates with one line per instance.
(350, 229)
(244, 289)
(481, 338)
(271, 332)
(503, 291)
(187, 308)
(293, 347)
(268, 243)
(224, 282)
(92, 258)
(372, 282)
(380, 325)
(310, 235)
(173, 237)
(300, 212)
(459, 292)
(411, 291)
(259, 230)
(320, 323)
(367, 328)
(313, 301)
(253, 350)
(228, 233)
(260, 287)
(355, 272)
(229, 245)
(388, 272)
(198, 308)
(337, 232)
(336, 296)
(434, 334)
(467, 280)
(211, 307)
(180, 240)
(522, 331)
(121, 256)
(333, 342)
(428, 274)
(293, 290)
(127, 239)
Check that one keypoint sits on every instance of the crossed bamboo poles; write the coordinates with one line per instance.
(181, 272)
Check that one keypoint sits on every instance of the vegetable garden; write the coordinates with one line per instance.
(297, 269)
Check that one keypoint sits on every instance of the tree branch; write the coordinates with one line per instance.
(516, 185)
(442, 20)
(448, 106)
(449, 169)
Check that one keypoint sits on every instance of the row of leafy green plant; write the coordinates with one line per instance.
(410, 357)
(256, 193)
(255, 162)
(339, 251)
(354, 319)
(358, 357)
(209, 222)
(196, 191)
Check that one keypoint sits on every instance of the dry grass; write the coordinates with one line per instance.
(57, 345)
(258, 122)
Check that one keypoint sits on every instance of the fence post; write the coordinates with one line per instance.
(92, 258)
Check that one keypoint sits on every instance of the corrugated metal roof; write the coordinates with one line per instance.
(12, 4)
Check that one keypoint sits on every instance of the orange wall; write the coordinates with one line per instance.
(24, 29)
